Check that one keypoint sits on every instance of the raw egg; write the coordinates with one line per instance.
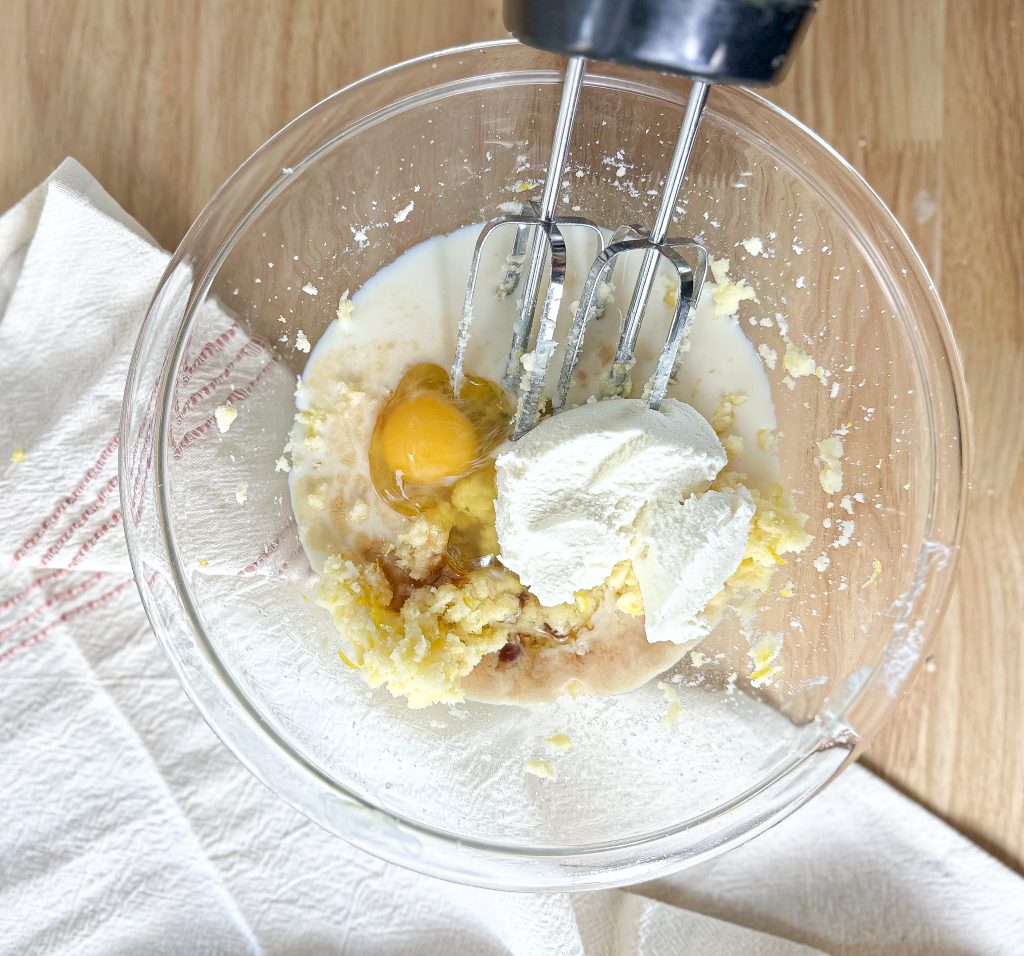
(426, 437)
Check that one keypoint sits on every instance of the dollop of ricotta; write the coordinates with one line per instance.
(616, 480)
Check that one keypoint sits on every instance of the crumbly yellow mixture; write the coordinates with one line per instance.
(724, 416)
(225, 415)
(776, 528)
(830, 456)
(727, 293)
(421, 548)
(763, 655)
(422, 645)
(470, 513)
(559, 741)
(539, 767)
(797, 362)
(674, 710)
(423, 649)
(876, 573)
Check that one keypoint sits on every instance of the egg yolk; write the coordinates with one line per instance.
(427, 439)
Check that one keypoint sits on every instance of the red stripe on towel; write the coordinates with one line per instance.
(64, 618)
(67, 502)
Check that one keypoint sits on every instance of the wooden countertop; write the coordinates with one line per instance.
(162, 99)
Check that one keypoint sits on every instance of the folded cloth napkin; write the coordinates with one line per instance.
(128, 828)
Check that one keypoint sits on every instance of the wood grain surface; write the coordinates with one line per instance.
(162, 99)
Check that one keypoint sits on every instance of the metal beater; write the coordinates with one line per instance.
(711, 41)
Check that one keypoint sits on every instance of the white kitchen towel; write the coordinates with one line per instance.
(128, 828)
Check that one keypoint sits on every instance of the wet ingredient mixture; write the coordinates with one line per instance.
(585, 558)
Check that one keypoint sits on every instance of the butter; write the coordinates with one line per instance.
(769, 355)
(674, 710)
(559, 741)
(423, 651)
(876, 573)
(538, 767)
(421, 548)
(225, 416)
(725, 414)
(763, 656)
(776, 529)
(797, 362)
(728, 293)
(830, 473)
(344, 311)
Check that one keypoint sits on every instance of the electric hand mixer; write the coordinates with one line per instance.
(709, 41)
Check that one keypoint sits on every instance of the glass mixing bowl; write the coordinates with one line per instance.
(318, 210)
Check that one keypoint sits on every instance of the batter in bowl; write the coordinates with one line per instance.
(456, 564)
